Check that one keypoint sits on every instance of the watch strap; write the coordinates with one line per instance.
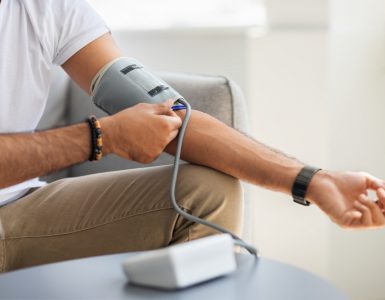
(301, 184)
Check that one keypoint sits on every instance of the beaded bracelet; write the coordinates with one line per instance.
(96, 139)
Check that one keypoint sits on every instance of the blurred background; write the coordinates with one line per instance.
(313, 73)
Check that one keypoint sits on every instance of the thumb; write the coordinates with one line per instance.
(165, 107)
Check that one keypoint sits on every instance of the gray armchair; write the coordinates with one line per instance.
(214, 95)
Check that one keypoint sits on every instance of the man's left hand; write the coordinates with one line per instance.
(343, 196)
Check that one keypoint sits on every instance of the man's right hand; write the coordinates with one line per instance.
(141, 132)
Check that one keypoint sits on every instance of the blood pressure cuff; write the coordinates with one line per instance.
(125, 82)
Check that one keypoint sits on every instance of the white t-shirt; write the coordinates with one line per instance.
(34, 34)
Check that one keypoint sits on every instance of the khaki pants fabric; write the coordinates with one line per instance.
(115, 212)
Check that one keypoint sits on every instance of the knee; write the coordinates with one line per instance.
(211, 195)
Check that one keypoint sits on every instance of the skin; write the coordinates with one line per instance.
(141, 133)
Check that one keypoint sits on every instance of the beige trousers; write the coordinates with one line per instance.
(115, 212)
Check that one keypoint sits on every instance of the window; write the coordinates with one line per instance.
(158, 14)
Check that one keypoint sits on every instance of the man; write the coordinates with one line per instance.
(126, 210)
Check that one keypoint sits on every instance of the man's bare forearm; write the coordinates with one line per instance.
(211, 143)
(28, 155)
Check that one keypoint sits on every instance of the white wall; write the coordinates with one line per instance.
(288, 88)
(357, 106)
(297, 13)
(340, 79)
(288, 84)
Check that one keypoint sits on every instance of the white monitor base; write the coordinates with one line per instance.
(183, 265)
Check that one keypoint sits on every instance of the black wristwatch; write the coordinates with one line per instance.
(301, 184)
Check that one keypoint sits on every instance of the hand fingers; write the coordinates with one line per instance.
(373, 182)
(172, 113)
(163, 108)
(170, 124)
(381, 206)
(351, 218)
(381, 196)
(173, 135)
(381, 200)
(377, 215)
(366, 219)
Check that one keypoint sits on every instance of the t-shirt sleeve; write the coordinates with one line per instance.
(77, 24)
